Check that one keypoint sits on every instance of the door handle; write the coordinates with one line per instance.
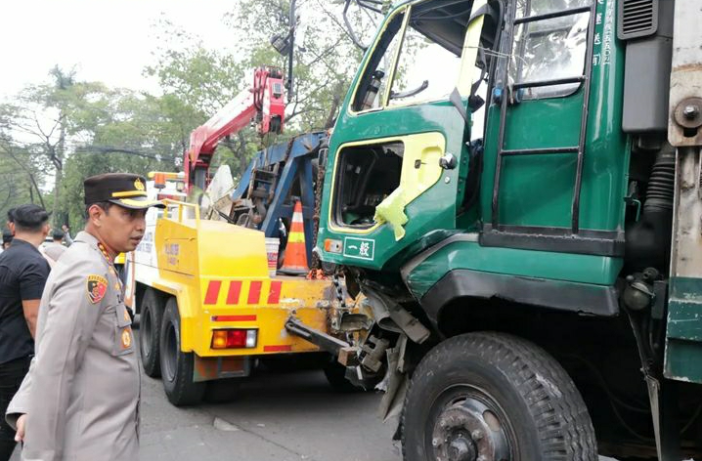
(448, 161)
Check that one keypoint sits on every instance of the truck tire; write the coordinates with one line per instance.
(494, 397)
(150, 332)
(177, 366)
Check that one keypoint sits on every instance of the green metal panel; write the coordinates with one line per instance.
(521, 263)
(683, 359)
(538, 191)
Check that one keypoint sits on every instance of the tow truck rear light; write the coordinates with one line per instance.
(234, 339)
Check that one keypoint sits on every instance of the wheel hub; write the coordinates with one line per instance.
(469, 431)
(461, 448)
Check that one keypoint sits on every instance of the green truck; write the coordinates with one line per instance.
(513, 190)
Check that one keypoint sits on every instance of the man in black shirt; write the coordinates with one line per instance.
(23, 273)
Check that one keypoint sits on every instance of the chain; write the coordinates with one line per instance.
(339, 292)
(319, 186)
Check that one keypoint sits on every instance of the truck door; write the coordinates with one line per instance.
(398, 159)
(555, 155)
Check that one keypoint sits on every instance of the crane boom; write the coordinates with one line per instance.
(262, 102)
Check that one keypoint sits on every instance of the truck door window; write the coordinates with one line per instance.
(366, 176)
(551, 48)
(426, 70)
(373, 84)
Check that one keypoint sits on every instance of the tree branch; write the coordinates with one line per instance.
(29, 173)
(115, 150)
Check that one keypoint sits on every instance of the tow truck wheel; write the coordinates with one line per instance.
(149, 333)
(177, 366)
(494, 397)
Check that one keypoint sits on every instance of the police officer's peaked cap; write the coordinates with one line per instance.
(123, 189)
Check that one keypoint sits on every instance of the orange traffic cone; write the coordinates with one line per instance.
(295, 261)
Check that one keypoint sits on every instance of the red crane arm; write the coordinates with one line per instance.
(263, 103)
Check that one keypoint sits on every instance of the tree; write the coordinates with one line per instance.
(139, 133)
(204, 80)
(44, 118)
(89, 127)
(20, 179)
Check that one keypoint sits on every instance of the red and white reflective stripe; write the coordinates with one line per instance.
(274, 294)
(212, 292)
(233, 318)
(255, 295)
(234, 292)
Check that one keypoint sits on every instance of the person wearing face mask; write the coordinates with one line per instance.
(80, 399)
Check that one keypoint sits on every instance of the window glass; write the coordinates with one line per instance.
(538, 7)
(373, 84)
(549, 49)
(366, 176)
(426, 71)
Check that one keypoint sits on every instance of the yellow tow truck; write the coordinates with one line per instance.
(211, 308)
(211, 293)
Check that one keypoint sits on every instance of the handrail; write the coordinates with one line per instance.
(181, 207)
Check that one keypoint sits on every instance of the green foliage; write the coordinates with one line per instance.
(64, 129)
(324, 63)
(18, 176)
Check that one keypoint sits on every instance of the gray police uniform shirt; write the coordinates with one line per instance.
(82, 392)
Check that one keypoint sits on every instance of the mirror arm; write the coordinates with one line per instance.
(407, 94)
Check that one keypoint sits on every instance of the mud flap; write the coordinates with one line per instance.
(395, 383)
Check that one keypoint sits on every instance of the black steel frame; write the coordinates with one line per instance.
(579, 150)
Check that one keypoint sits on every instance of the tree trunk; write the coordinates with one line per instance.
(336, 101)
(58, 163)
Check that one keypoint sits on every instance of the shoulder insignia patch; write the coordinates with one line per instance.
(96, 288)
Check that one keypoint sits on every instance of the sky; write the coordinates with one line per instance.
(106, 40)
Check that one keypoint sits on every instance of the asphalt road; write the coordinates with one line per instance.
(277, 416)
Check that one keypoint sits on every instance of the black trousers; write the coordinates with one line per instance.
(11, 376)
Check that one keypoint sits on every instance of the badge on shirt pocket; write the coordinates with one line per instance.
(124, 336)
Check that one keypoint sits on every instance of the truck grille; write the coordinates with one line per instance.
(637, 18)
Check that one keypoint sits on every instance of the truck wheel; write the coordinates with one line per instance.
(150, 333)
(177, 366)
(494, 397)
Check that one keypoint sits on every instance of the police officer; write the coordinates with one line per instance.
(80, 399)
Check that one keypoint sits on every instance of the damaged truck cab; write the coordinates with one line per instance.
(514, 188)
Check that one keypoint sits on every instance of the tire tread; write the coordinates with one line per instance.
(555, 405)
